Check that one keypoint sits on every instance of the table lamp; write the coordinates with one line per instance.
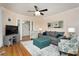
(71, 31)
(40, 30)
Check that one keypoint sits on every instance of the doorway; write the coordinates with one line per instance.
(25, 30)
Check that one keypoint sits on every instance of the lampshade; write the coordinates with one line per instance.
(37, 13)
(71, 29)
(40, 29)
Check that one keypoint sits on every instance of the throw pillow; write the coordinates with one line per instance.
(45, 33)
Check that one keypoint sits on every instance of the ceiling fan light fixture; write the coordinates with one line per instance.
(37, 13)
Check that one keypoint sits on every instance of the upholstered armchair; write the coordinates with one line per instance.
(69, 46)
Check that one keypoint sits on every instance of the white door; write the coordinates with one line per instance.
(26, 28)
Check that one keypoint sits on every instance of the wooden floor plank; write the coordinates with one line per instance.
(15, 50)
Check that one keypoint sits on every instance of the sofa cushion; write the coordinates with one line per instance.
(61, 33)
(51, 33)
(54, 40)
(58, 34)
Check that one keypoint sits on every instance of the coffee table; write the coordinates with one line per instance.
(41, 42)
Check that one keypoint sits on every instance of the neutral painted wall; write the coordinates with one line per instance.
(70, 18)
(37, 21)
(14, 17)
(1, 34)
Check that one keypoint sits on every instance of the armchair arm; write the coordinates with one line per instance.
(73, 44)
(64, 41)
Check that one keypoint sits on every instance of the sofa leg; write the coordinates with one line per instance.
(72, 54)
(60, 53)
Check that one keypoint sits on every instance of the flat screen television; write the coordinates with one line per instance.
(10, 29)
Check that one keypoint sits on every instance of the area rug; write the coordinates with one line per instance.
(51, 50)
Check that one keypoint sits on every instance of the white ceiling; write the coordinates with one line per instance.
(53, 8)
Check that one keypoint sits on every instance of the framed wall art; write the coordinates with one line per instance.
(55, 24)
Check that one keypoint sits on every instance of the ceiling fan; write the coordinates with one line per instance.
(37, 11)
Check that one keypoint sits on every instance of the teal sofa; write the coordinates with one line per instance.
(42, 42)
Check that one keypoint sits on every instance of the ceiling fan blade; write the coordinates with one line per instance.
(30, 11)
(43, 10)
(36, 8)
(41, 13)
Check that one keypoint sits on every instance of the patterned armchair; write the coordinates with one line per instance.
(69, 46)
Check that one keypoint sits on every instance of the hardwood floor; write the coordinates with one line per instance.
(26, 38)
(15, 50)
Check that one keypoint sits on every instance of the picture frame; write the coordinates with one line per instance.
(55, 24)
